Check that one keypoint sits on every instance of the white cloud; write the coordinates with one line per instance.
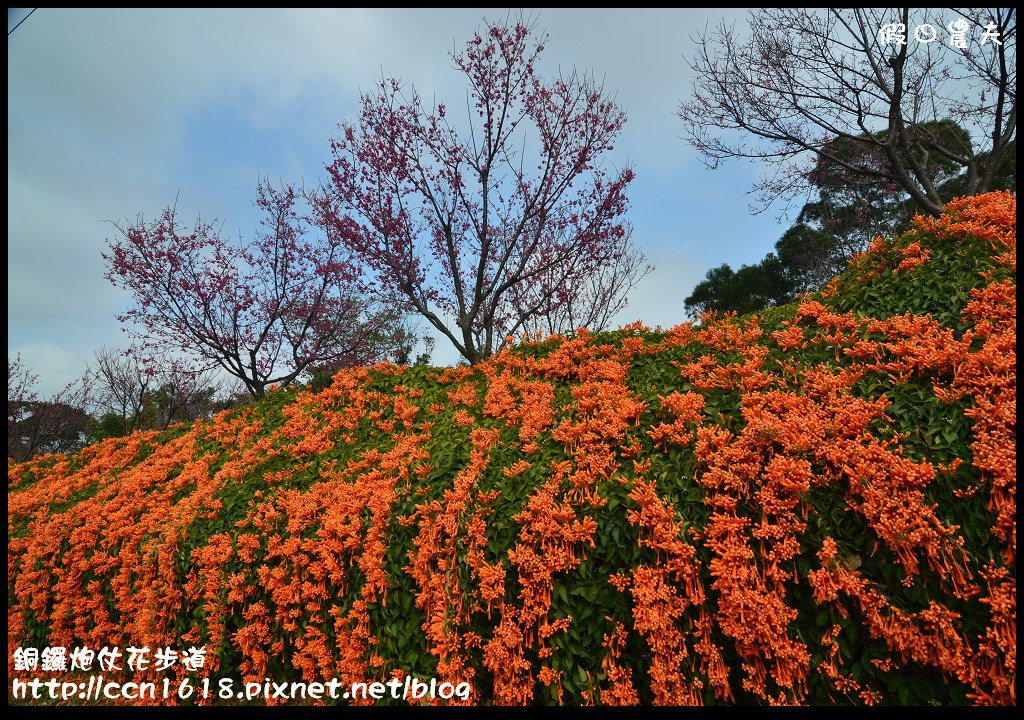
(55, 365)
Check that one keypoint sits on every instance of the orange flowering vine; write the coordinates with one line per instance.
(790, 511)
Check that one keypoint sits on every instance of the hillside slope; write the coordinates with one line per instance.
(815, 505)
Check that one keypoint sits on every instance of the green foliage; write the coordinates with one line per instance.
(108, 425)
(751, 288)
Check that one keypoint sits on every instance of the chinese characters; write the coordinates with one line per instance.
(895, 33)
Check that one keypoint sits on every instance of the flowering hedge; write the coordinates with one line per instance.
(814, 505)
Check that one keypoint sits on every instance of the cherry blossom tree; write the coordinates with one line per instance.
(490, 226)
(876, 95)
(265, 311)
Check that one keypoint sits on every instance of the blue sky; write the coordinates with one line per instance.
(113, 113)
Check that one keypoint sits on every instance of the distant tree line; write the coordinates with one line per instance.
(122, 392)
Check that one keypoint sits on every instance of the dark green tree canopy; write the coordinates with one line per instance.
(875, 112)
(849, 212)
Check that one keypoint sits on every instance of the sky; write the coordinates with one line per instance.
(117, 113)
